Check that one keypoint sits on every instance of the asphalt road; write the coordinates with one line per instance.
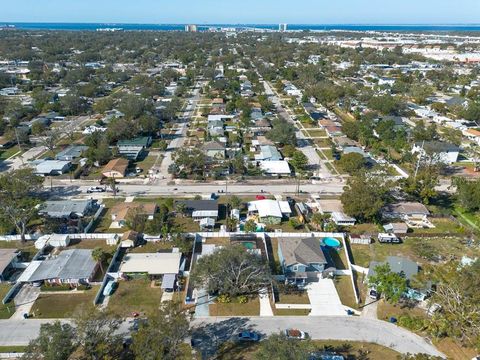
(209, 333)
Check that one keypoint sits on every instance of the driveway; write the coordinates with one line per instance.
(24, 300)
(370, 310)
(324, 299)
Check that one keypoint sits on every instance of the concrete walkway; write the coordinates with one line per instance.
(324, 299)
(265, 306)
(202, 309)
(369, 310)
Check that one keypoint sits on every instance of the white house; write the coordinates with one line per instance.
(437, 151)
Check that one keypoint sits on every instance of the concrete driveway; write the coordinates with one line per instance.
(24, 300)
(324, 299)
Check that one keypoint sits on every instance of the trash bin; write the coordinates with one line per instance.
(393, 320)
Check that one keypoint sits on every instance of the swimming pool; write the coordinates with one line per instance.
(331, 242)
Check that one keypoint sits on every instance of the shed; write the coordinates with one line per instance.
(168, 282)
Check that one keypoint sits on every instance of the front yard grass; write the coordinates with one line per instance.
(296, 298)
(6, 310)
(102, 224)
(343, 284)
(135, 296)
(251, 308)
(146, 164)
(53, 306)
(386, 310)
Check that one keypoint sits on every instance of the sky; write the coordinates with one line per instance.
(244, 11)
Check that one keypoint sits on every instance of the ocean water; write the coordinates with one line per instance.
(181, 27)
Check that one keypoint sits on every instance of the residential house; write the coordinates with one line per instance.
(268, 153)
(73, 266)
(156, 265)
(275, 168)
(121, 211)
(71, 153)
(51, 167)
(116, 168)
(8, 258)
(405, 211)
(199, 209)
(214, 149)
(437, 151)
(67, 208)
(134, 148)
(302, 260)
(269, 211)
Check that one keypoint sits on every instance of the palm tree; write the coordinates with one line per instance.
(99, 255)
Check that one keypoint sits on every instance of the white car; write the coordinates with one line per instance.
(95, 189)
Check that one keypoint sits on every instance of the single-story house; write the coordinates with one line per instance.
(274, 168)
(51, 167)
(268, 153)
(66, 208)
(301, 259)
(119, 213)
(116, 168)
(199, 209)
(396, 228)
(269, 211)
(73, 266)
(438, 151)
(153, 264)
(70, 153)
(132, 149)
(405, 211)
(214, 149)
(343, 219)
(7, 259)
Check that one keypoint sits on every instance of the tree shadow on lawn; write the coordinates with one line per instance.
(208, 338)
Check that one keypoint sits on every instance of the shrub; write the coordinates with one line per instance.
(242, 299)
(413, 323)
(224, 299)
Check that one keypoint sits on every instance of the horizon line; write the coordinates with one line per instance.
(246, 23)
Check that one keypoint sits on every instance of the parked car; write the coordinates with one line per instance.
(95, 189)
(110, 288)
(248, 336)
(373, 294)
(296, 334)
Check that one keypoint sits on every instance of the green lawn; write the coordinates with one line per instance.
(6, 310)
(52, 306)
(5, 154)
(343, 284)
(146, 163)
(323, 143)
(102, 224)
(185, 224)
(91, 244)
(317, 133)
(135, 296)
(251, 308)
(385, 311)
(299, 298)
(290, 312)
(12, 349)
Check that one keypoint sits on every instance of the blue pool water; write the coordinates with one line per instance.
(331, 242)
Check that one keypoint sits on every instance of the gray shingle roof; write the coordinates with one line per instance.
(303, 251)
(69, 264)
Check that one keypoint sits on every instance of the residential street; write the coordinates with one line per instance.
(210, 332)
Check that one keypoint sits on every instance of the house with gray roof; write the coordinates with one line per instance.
(133, 148)
(400, 265)
(63, 209)
(70, 153)
(268, 153)
(51, 167)
(74, 267)
(302, 260)
(8, 257)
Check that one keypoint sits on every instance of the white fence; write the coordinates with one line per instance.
(95, 217)
(19, 237)
(349, 263)
(221, 234)
(360, 269)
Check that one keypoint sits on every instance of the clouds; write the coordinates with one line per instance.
(245, 11)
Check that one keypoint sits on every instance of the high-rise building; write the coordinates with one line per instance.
(191, 28)
(282, 27)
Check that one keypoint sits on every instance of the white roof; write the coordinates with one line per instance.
(266, 208)
(219, 117)
(151, 263)
(28, 272)
(275, 167)
(340, 216)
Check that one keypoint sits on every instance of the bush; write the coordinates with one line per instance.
(224, 299)
(242, 299)
(45, 287)
(413, 323)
